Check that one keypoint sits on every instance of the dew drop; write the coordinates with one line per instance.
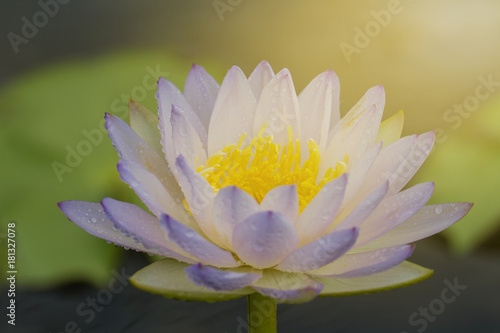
(439, 209)
(93, 220)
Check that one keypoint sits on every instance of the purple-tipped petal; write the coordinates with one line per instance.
(261, 75)
(413, 162)
(320, 213)
(429, 220)
(151, 191)
(393, 211)
(90, 217)
(264, 239)
(319, 253)
(185, 139)
(168, 94)
(279, 108)
(233, 113)
(287, 287)
(131, 147)
(200, 92)
(282, 199)
(364, 209)
(199, 196)
(366, 263)
(219, 280)
(232, 206)
(319, 105)
(197, 246)
(143, 227)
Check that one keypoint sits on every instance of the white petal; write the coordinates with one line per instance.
(318, 102)
(194, 244)
(319, 252)
(413, 162)
(279, 108)
(320, 213)
(429, 220)
(145, 228)
(353, 139)
(393, 211)
(282, 199)
(233, 113)
(199, 196)
(200, 92)
(232, 205)
(168, 95)
(374, 96)
(261, 75)
(185, 139)
(133, 148)
(264, 239)
(366, 263)
(152, 192)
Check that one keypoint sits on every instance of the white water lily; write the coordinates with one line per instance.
(255, 189)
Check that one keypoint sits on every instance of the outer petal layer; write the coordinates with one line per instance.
(264, 239)
(216, 279)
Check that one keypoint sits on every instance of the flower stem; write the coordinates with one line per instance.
(261, 314)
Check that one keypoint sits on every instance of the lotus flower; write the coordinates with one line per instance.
(252, 188)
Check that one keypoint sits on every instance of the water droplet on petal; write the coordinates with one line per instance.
(439, 209)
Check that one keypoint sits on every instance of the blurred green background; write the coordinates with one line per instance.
(439, 61)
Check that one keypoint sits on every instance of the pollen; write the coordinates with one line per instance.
(263, 165)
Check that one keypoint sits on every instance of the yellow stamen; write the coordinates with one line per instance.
(262, 165)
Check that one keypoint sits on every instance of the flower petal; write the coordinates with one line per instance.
(319, 107)
(429, 220)
(219, 280)
(389, 164)
(185, 139)
(233, 112)
(231, 206)
(402, 275)
(391, 128)
(279, 108)
(413, 162)
(373, 96)
(287, 287)
(363, 210)
(353, 140)
(319, 252)
(282, 199)
(200, 92)
(320, 213)
(133, 148)
(264, 239)
(366, 263)
(168, 278)
(145, 124)
(261, 75)
(151, 191)
(199, 196)
(168, 95)
(90, 217)
(394, 210)
(126, 216)
(194, 244)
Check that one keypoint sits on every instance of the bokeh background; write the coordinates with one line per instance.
(64, 63)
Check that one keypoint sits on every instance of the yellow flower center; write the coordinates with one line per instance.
(263, 165)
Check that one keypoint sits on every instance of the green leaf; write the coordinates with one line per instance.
(54, 148)
(402, 275)
(167, 278)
